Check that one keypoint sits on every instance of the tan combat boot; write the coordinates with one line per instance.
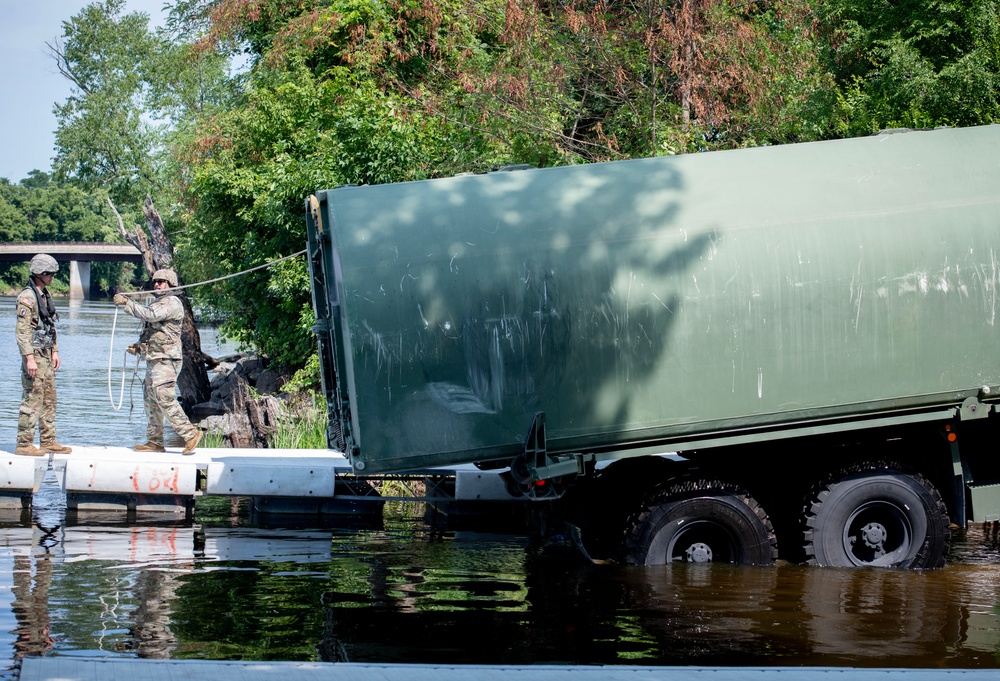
(149, 447)
(55, 447)
(28, 450)
(192, 443)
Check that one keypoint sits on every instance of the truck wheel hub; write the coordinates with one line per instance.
(699, 553)
(874, 535)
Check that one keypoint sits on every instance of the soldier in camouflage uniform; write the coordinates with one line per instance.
(160, 345)
(36, 339)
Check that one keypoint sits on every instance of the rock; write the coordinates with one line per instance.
(226, 388)
(214, 424)
(220, 377)
(250, 369)
(203, 410)
(270, 382)
(244, 417)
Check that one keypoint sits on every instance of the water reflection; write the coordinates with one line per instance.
(409, 593)
(32, 579)
(831, 617)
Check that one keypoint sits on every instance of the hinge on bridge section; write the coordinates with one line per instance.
(972, 409)
(535, 466)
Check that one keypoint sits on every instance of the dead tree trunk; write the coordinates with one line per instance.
(158, 253)
(252, 420)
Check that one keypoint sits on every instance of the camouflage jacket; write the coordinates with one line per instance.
(30, 332)
(161, 331)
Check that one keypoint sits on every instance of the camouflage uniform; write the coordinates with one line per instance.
(38, 400)
(160, 345)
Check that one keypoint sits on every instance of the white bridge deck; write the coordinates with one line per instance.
(106, 478)
(98, 669)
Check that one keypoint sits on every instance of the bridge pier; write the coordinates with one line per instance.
(79, 280)
(79, 255)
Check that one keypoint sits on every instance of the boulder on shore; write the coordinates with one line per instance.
(245, 404)
(233, 372)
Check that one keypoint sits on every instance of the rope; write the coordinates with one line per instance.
(111, 350)
(111, 354)
(228, 276)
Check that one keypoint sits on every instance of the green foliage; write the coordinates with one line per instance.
(303, 427)
(103, 136)
(305, 379)
(913, 64)
(608, 81)
(41, 209)
(213, 440)
(125, 78)
(14, 224)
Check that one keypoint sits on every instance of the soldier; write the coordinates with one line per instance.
(160, 345)
(36, 339)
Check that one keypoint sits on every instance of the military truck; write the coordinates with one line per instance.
(784, 352)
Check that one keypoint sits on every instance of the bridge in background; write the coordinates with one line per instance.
(78, 254)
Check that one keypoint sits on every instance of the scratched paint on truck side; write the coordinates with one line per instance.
(665, 297)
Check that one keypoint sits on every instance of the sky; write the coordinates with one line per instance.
(30, 83)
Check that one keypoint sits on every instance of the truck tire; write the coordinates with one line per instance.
(884, 518)
(700, 522)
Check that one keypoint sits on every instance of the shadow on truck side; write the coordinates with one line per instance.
(811, 326)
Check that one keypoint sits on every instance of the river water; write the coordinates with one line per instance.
(407, 588)
(86, 414)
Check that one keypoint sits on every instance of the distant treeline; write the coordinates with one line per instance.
(39, 209)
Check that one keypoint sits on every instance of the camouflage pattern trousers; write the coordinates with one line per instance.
(38, 401)
(160, 399)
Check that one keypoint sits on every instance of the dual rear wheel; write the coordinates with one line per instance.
(884, 518)
(876, 516)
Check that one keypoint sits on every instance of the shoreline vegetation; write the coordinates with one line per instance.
(254, 406)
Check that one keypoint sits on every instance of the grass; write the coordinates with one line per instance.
(212, 440)
(302, 426)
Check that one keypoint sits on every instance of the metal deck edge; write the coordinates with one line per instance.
(72, 668)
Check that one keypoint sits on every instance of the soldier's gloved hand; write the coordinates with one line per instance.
(119, 299)
(133, 349)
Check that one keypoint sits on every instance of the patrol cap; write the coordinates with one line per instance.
(168, 276)
(42, 263)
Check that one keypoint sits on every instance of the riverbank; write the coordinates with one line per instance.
(249, 409)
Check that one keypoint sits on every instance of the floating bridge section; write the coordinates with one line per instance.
(299, 481)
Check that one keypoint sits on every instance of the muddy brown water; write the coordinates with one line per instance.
(406, 590)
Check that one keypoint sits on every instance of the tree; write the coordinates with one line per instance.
(104, 139)
(664, 77)
(913, 64)
(13, 223)
(39, 208)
